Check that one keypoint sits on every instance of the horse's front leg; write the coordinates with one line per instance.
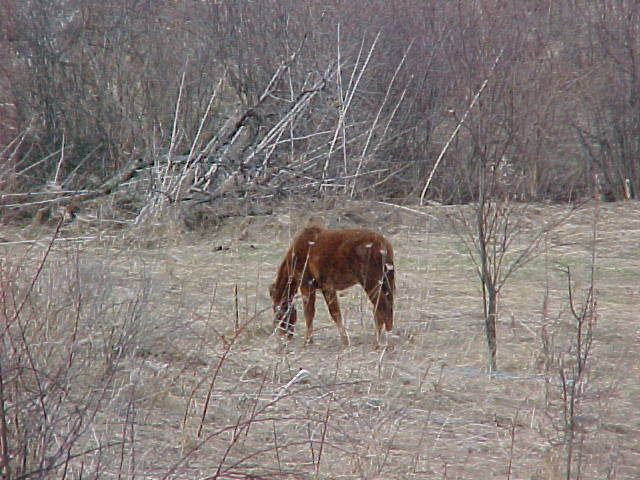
(308, 291)
(331, 298)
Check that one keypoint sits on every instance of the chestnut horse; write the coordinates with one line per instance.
(332, 260)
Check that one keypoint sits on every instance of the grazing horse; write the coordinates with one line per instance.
(333, 260)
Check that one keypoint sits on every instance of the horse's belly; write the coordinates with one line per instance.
(337, 279)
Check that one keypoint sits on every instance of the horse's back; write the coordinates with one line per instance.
(341, 258)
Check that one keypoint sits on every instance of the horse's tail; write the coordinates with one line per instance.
(388, 291)
(387, 287)
(389, 279)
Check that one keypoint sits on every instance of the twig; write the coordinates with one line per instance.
(402, 207)
(228, 344)
(391, 175)
(174, 132)
(392, 115)
(236, 309)
(57, 175)
(324, 432)
(35, 164)
(41, 202)
(300, 376)
(14, 145)
(5, 456)
(34, 194)
(58, 239)
(340, 127)
(36, 275)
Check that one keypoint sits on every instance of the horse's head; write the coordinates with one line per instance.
(284, 312)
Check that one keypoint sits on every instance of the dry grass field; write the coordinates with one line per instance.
(147, 353)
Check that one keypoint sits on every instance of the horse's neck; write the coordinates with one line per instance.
(288, 278)
(286, 283)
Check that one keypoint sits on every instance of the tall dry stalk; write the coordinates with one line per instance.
(574, 379)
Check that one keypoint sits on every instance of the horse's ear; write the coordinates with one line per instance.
(314, 222)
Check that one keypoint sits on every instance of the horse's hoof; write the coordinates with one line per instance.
(383, 346)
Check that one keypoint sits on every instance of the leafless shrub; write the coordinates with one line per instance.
(499, 241)
(574, 365)
(65, 333)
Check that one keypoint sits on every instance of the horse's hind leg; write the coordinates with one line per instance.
(382, 312)
(309, 301)
(331, 298)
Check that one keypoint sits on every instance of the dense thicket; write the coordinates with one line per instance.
(333, 97)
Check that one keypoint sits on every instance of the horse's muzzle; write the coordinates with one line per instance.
(285, 319)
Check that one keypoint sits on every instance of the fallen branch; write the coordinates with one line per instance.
(35, 194)
(59, 239)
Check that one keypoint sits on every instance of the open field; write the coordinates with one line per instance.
(149, 354)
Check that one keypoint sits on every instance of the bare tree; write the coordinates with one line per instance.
(491, 147)
(498, 240)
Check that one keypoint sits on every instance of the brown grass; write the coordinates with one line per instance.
(163, 332)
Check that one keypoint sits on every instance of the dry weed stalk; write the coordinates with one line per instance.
(574, 378)
(262, 410)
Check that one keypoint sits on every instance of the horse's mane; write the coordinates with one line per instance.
(313, 222)
(277, 288)
(313, 226)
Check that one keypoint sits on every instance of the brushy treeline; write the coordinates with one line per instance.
(352, 98)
